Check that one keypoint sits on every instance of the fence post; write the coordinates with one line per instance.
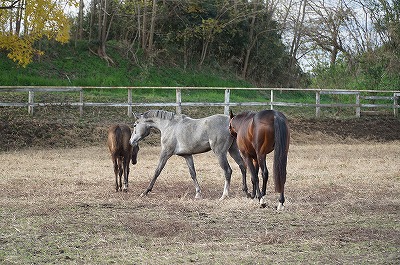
(30, 102)
(395, 104)
(358, 108)
(271, 101)
(178, 101)
(129, 102)
(81, 103)
(317, 103)
(227, 100)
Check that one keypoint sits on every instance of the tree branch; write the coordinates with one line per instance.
(13, 5)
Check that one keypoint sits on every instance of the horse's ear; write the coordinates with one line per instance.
(135, 115)
(231, 114)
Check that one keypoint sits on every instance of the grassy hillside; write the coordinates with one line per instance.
(76, 65)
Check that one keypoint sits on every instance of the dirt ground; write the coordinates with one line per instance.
(59, 206)
(58, 203)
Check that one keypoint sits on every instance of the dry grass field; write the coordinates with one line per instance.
(59, 206)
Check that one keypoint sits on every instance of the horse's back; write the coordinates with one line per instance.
(218, 122)
(263, 131)
(256, 133)
(203, 127)
(126, 135)
(118, 139)
(217, 126)
(263, 122)
(202, 135)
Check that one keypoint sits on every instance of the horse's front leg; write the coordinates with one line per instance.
(223, 162)
(161, 163)
(192, 171)
(126, 173)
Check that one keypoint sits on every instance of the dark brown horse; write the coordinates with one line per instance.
(257, 134)
(121, 153)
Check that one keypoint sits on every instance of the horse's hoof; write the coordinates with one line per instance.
(198, 196)
(263, 202)
(223, 197)
(125, 190)
(280, 207)
(143, 194)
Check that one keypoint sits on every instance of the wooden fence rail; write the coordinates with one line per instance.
(392, 98)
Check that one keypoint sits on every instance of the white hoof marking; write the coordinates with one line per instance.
(263, 202)
(280, 207)
(223, 197)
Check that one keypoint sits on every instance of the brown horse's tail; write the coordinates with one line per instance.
(117, 138)
(281, 150)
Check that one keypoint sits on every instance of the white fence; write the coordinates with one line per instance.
(391, 98)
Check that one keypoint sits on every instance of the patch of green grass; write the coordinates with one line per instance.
(76, 65)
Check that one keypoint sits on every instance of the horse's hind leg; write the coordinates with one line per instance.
(234, 152)
(223, 162)
(120, 172)
(264, 174)
(116, 173)
(253, 167)
(281, 201)
(190, 164)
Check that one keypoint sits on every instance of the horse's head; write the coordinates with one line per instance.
(140, 130)
(135, 150)
(232, 130)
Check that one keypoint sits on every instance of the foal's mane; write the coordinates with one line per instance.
(246, 115)
(161, 114)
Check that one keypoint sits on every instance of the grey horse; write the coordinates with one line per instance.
(184, 136)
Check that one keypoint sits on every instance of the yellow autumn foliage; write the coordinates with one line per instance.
(38, 19)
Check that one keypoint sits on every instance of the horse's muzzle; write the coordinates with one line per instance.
(133, 143)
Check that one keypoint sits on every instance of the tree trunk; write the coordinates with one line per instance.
(252, 41)
(297, 34)
(151, 33)
(144, 30)
(19, 18)
(101, 51)
(80, 20)
(204, 50)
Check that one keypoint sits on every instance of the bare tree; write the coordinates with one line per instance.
(325, 27)
(103, 29)
(259, 9)
(80, 20)
(11, 5)
(298, 26)
(152, 27)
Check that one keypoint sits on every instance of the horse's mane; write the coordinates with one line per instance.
(246, 114)
(162, 114)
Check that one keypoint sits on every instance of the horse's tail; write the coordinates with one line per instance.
(281, 149)
(118, 137)
(114, 139)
